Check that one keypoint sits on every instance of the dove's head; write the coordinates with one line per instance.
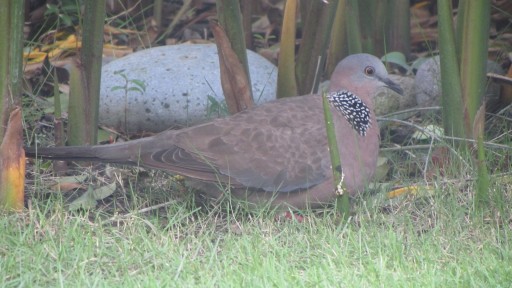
(362, 75)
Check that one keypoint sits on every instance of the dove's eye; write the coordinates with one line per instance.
(369, 70)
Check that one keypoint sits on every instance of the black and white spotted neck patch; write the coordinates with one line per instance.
(353, 108)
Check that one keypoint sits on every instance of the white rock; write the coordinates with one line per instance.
(178, 80)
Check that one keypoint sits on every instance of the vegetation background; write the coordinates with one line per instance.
(451, 227)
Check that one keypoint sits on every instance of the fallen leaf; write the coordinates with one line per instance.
(90, 198)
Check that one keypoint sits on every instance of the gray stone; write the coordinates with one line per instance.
(387, 101)
(427, 85)
(407, 100)
(170, 86)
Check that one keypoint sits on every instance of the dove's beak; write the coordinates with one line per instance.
(392, 85)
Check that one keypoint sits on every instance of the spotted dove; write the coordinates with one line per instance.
(275, 153)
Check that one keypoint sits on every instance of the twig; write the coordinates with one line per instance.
(417, 109)
(440, 137)
(143, 210)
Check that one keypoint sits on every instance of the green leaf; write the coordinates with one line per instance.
(427, 132)
(382, 168)
(86, 201)
(89, 198)
(141, 84)
(51, 9)
(103, 135)
(137, 89)
(64, 103)
(397, 58)
(104, 191)
(66, 20)
(116, 88)
(215, 108)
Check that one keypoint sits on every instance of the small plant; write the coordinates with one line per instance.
(67, 12)
(263, 41)
(129, 85)
(216, 108)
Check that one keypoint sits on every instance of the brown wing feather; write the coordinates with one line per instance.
(274, 155)
(278, 146)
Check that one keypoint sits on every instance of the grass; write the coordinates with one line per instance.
(411, 242)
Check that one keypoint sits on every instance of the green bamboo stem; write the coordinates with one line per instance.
(338, 47)
(370, 18)
(157, 13)
(247, 7)
(11, 62)
(399, 36)
(83, 120)
(230, 19)
(4, 68)
(342, 199)
(353, 28)
(286, 84)
(475, 35)
(450, 76)
(317, 30)
(460, 27)
(12, 157)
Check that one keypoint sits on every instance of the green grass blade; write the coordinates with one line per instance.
(343, 199)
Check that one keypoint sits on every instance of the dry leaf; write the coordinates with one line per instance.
(235, 84)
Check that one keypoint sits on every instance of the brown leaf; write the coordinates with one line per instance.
(66, 187)
(440, 161)
(12, 164)
(235, 83)
(506, 91)
(67, 183)
(478, 122)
